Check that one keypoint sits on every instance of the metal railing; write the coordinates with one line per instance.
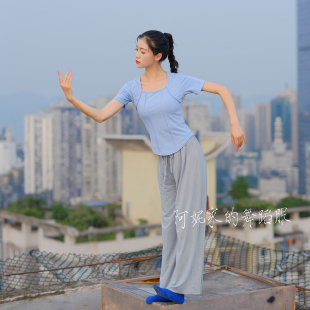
(41, 268)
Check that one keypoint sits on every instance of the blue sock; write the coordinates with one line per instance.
(156, 297)
(164, 292)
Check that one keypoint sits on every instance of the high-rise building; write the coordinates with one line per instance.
(249, 131)
(109, 159)
(89, 151)
(67, 144)
(38, 163)
(8, 158)
(291, 96)
(262, 126)
(197, 117)
(303, 75)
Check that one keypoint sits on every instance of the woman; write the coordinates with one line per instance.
(181, 165)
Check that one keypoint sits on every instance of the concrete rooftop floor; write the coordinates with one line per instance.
(220, 287)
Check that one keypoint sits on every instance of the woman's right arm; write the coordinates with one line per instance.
(98, 115)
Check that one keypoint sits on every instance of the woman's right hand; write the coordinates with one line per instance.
(65, 84)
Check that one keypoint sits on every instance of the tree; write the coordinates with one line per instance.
(239, 188)
(83, 217)
(294, 201)
(253, 204)
(32, 212)
(60, 212)
(28, 205)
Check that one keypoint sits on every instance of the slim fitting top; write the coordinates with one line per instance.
(160, 110)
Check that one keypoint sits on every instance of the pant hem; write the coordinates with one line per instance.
(182, 292)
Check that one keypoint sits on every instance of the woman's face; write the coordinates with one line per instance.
(144, 56)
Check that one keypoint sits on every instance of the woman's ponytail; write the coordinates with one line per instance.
(173, 63)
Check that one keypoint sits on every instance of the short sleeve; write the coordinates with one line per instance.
(125, 94)
(190, 84)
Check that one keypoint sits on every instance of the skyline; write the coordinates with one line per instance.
(253, 51)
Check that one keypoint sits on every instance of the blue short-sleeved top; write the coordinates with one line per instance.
(160, 110)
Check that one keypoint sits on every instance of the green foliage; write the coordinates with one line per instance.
(239, 188)
(294, 201)
(28, 205)
(60, 212)
(129, 233)
(83, 217)
(32, 212)
(253, 204)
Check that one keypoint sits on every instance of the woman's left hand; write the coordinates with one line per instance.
(237, 135)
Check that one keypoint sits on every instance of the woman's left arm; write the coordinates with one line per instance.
(236, 133)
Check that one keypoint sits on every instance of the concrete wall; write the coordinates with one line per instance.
(119, 245)
(17, 242)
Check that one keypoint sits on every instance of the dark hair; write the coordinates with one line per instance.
(162, 43)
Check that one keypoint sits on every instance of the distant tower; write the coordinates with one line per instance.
(303, 78)
(278, 145)
(278, 130)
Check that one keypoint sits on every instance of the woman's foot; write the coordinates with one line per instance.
(166, 293)
(156, 297)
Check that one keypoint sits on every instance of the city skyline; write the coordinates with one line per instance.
(255, 62)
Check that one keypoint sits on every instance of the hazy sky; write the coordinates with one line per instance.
(248, 46)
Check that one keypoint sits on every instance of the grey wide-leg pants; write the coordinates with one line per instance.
(182, 179)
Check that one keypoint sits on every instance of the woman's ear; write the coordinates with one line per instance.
(158, 56)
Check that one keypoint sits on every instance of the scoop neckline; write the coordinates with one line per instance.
(154, 91)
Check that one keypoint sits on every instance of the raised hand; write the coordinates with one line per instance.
(237, 135)
(65, 84)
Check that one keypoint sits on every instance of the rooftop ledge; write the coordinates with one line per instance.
(222, 286)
